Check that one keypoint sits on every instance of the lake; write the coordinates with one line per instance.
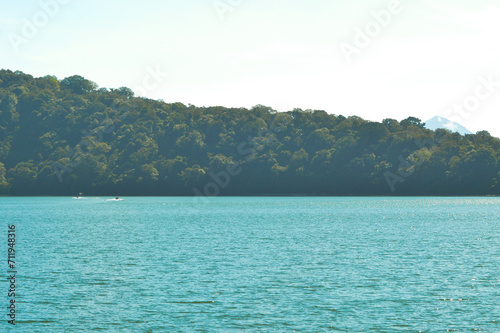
(279, 264)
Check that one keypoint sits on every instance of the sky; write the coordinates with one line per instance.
(369, 58)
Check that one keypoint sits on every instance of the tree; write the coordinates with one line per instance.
(61, 137)
(23, 176)
(4, 185)
(78, 85)
(412, 121)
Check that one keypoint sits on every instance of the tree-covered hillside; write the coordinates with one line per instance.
(69, 136)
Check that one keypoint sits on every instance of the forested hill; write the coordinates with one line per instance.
(68, 136)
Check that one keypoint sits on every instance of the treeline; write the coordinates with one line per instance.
(62, 137)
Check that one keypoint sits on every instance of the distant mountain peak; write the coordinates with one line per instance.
(440, 122)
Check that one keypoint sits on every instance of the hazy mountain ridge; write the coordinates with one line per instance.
(441, 122)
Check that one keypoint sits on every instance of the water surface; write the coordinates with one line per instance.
(255, 264)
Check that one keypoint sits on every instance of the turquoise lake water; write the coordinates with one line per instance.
(303, 264)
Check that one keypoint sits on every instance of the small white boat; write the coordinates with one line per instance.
(79, 196)
(115, 199)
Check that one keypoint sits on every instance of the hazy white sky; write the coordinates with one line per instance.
(411, 58)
